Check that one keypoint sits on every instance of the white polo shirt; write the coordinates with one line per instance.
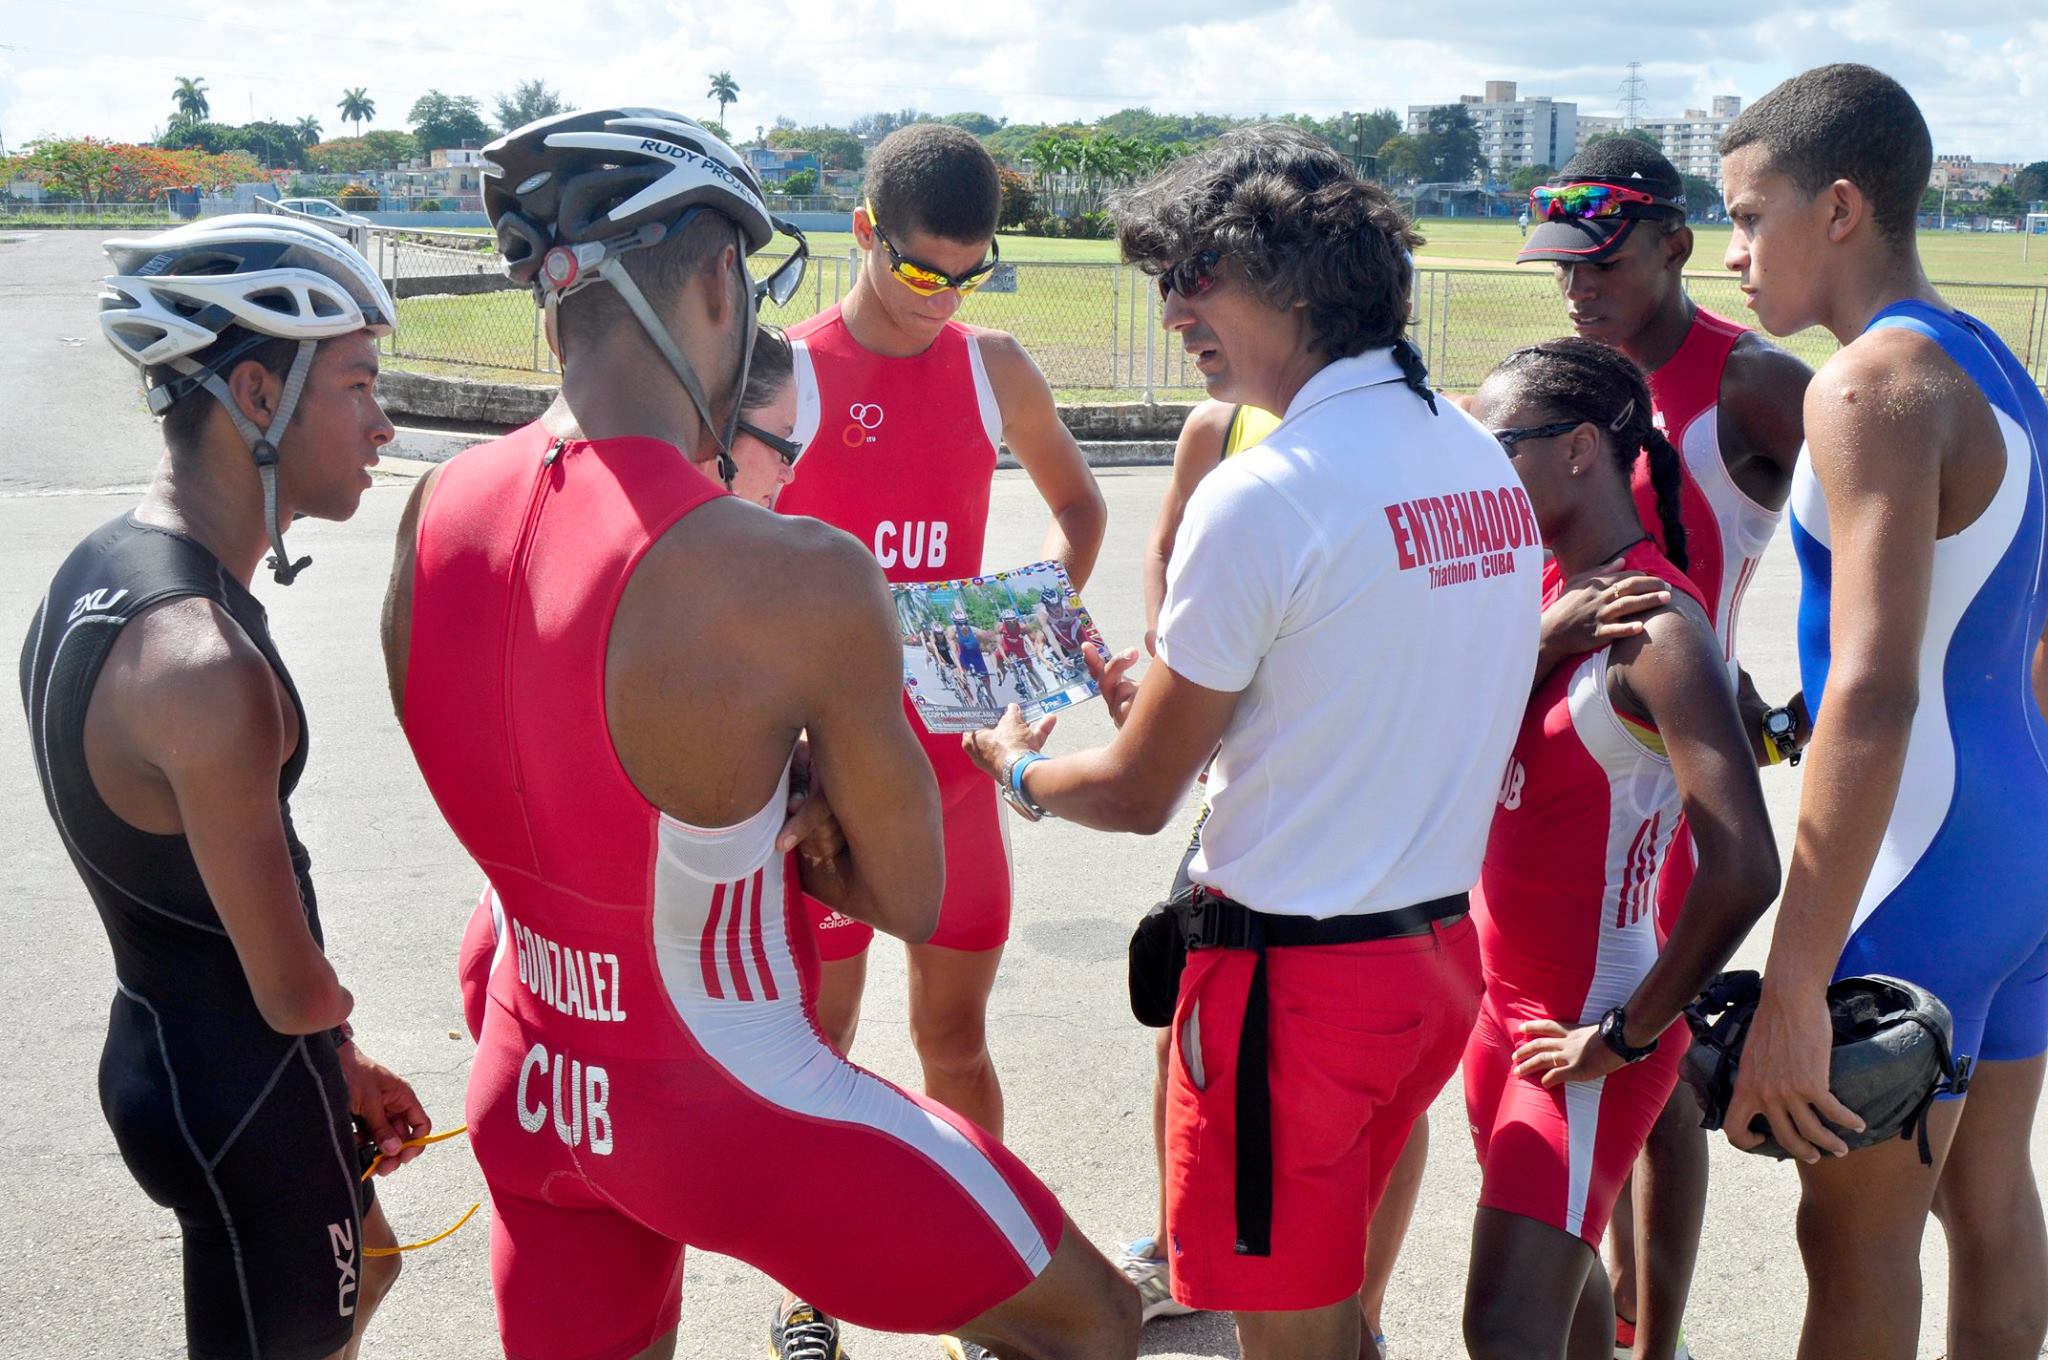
(1370, 578)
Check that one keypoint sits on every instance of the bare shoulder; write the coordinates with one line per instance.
(1676, 639)
(199, 688)
(1760, 373)
(1888, 397)
(1011, 370)
(769, 565)
(1209, 421)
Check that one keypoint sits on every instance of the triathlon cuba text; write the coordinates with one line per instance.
(1464, 535)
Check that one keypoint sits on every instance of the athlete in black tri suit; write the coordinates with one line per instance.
(169, 738)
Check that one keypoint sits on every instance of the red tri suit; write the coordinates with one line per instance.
(649, 1071)
(901, 453)
(1567, 929)
(1725, 531)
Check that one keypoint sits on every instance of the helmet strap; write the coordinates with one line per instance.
(613, 271)
(263, 443)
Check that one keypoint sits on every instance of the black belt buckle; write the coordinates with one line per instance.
(1216, 922)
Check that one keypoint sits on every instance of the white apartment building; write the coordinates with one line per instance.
(1691, 141)
(1513, 132)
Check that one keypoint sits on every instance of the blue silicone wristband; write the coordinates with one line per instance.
(1024, 762)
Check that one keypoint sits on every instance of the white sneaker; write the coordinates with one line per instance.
(1150, 1275)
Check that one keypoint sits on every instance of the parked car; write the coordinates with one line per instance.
(2000, 224)
(325, 209)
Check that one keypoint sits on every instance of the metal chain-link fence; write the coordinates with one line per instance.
(1093, 328)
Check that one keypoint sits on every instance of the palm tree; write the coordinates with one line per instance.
(308, 129)
(725, 90)
(190, 97)
(356, 106)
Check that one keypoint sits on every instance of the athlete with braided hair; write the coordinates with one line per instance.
(1730, 403)
(1576, 1050)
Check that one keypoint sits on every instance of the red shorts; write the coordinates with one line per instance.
(1559, 1156)
(680, 1094)
(1360, 1039)
(975, 913)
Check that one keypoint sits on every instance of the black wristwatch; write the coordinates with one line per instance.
(1612, 1026)
(1779, 727)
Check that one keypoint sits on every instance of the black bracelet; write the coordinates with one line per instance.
(343, 1034)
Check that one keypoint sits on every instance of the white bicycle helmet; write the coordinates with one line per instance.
(568, 195)
(243, 279)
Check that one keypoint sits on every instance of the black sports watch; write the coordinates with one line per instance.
(1779, 726)
(1612, 1026)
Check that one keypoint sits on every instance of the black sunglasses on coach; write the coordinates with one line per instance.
(1510, 437)
(1192, 277)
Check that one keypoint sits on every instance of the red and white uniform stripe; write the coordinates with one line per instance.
(649, 1070)
(1567, 929)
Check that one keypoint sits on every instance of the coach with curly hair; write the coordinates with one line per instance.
(1351, 616)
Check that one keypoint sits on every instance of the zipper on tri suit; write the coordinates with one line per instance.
(536, 501)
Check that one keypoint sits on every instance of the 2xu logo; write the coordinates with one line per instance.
(342, 1238)
(95, 602)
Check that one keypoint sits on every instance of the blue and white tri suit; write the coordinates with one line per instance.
(1957, 899)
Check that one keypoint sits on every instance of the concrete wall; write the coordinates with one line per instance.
(447, 221)
(816, 221)
(1120, 432)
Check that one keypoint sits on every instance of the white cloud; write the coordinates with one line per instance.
(107, 68)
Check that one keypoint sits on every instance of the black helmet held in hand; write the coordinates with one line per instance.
(1891, 1055)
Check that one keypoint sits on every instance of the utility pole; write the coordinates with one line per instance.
(1632, 95)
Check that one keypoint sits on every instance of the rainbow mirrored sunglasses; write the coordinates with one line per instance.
(1593, 200)
(924, 280)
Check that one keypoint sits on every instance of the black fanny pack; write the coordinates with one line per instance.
(1201, 918)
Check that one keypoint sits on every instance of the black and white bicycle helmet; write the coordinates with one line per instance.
(570, 194)
(243, 279)
(1891, 1055)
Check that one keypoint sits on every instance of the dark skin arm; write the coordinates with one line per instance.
(1034, 432)
(1762, 425)
(1594, 611)
(886, 860)
(1197, 453)
(1673, 677)
(186, 733)
(1883, 419)
(703, 728)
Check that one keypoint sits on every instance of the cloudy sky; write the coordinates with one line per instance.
(1978, 67)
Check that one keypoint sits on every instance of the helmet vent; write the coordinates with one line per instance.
(279, 300)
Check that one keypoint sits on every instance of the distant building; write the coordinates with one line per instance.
(1691, 141)
(774, 164)
(1513, 132)
(1966, 172)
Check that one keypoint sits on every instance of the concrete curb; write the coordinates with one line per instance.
(416, 445)
(1113, 434)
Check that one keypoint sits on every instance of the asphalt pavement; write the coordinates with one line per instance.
(89, 1267)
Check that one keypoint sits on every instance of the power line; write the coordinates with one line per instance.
(1632, 99)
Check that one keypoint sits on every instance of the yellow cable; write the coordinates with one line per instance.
(455, 1132)
(415, 1246)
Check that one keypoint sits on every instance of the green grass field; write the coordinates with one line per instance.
(1087, 324)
